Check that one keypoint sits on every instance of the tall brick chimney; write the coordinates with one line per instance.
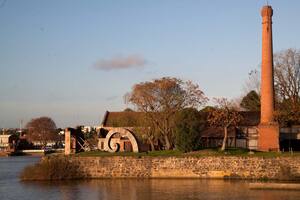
(268, 139)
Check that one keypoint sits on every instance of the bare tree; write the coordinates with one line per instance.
(224, 115)
(161, 98)
(42, 129)
(253, 82)
(147, 135)
(287, 85)
(287, 75)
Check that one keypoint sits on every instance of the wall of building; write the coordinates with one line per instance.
(190, 167)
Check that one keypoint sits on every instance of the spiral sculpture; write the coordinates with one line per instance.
(123, 133)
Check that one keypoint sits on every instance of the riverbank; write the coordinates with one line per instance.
(215, 167)
(132, 188)
(3, 154)
(31, 152)
(229, 167)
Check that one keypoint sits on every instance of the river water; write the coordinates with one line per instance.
(133, 189)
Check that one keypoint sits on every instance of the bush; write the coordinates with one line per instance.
(52, 168)
(189, 124)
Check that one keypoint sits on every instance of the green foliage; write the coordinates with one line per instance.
(201, 153)
(251, 101)
(207, 109)
(189, 124)
(128, 110)
(53, 168)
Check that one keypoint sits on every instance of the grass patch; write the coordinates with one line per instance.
(218, 152)
(240, 152)
(52, 168)
(200, 153)
(150, 153)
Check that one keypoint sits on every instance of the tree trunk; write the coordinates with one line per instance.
(225, 139)
(44, 144)
(168, 145)
(151, 144)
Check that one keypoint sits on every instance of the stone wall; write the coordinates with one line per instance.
(190, 167)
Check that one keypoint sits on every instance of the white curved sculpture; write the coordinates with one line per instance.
(123, 133)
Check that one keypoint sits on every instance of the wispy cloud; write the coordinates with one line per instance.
(119, 62)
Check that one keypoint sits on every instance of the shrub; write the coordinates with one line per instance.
(189, 124)
(52, 168)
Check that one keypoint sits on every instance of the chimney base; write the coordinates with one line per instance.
(268, 137)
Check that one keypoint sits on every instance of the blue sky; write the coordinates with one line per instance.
(53, 53)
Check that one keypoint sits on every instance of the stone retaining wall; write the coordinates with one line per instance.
(190, 167)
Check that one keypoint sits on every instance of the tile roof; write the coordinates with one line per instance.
(122, 119)
(134, 119)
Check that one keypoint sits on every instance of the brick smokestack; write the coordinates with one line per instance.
(268, 129)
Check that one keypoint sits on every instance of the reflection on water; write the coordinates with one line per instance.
(11, 188)
(135, 189)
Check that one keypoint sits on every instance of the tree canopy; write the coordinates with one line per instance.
(251, 101)
(42, 129)
(189, 124)
(287, 85)
(161, 98)
(225, 115)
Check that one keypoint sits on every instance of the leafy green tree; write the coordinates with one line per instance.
(189, 124)
(251, 101)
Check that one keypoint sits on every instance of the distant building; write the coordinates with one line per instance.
(116, 132)
(8, 143)
(86, 129)
(244, 135)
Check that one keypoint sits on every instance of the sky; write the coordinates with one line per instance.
(72, 60)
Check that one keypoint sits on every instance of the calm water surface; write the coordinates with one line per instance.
(133, 189)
